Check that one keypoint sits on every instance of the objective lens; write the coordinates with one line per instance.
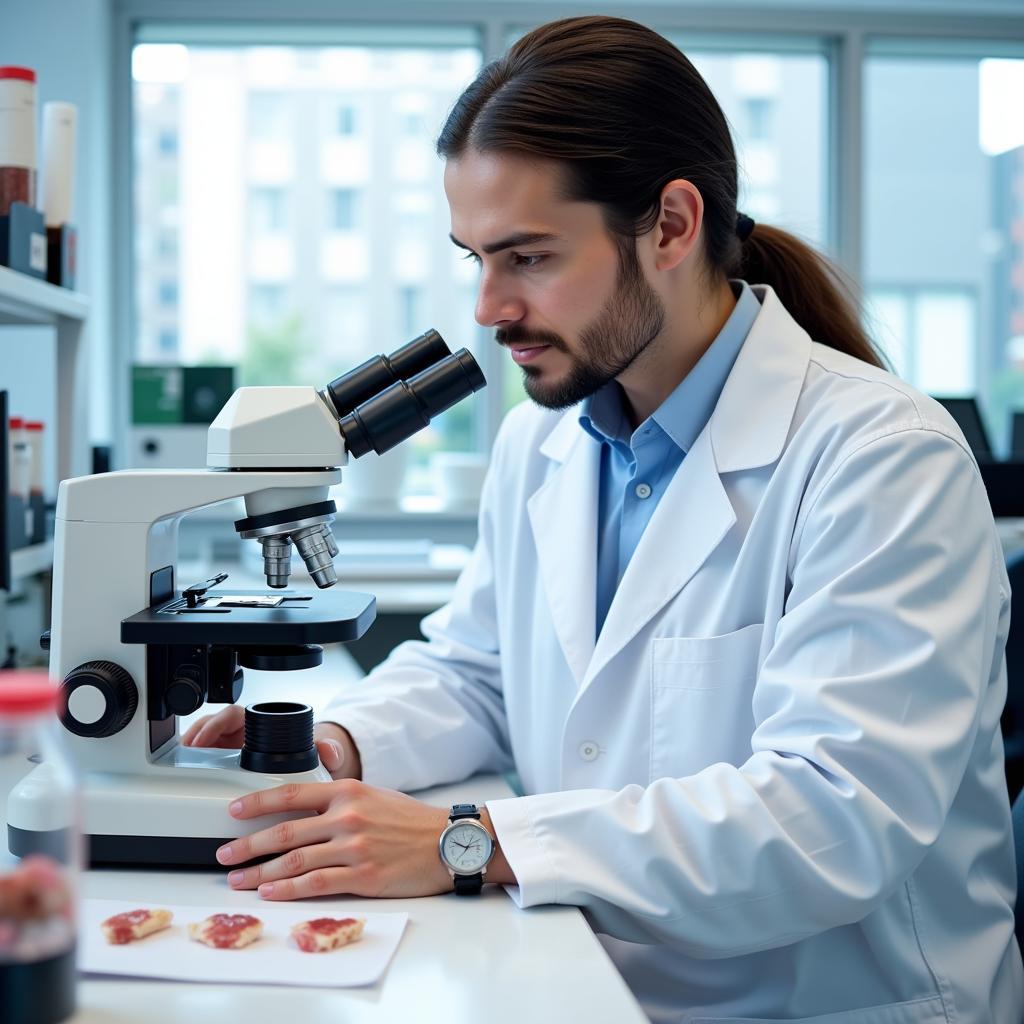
(314, 543)
(277, 559)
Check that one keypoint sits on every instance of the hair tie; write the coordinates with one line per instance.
(744, 226)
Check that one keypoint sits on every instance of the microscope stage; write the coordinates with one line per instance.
(322, 618)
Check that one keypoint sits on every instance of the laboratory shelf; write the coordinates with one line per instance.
(31, 560)
(28, 300)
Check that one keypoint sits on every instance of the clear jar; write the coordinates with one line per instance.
(38, 893)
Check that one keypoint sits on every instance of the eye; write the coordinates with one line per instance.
(472, 256)
(527, 261)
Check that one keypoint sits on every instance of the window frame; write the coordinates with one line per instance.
(841, 30)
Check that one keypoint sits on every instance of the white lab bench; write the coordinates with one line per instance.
(460, 958)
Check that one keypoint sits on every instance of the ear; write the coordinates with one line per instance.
(678, 227)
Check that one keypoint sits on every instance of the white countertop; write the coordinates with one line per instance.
(461, 958)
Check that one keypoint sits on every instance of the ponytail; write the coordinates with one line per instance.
(813, 289)
(624, 112)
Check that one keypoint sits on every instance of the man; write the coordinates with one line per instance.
(737, 610)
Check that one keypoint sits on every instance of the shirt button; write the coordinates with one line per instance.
(588, 750)
(643, 490)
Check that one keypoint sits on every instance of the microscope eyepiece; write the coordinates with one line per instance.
(376, 374)
(407, 406)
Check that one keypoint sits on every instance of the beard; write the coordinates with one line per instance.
(627, 324)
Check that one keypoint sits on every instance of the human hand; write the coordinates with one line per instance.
(334, 745)
(362, 841)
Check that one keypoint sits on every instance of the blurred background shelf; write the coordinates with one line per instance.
(27, 300)
(34, 559)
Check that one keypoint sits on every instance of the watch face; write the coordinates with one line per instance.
(466, 848)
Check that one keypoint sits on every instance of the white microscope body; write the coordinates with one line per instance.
(134, 653)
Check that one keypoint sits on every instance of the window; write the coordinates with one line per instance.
(168, 143)
(759, 118)
(167, 343)
(284, 174)
(343, 209)
(277, 206)
(346, 120)
(267, 304)
(168, 293)
(268, 210)
(412, 303)
(944, 221)
(776, 104)
(929, 336)
(268, 115)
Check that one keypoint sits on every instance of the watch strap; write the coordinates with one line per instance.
(464, 811)
(468, 885)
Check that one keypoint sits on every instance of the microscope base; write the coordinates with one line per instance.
(174, 815)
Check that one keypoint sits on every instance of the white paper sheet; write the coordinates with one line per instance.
(272, 960)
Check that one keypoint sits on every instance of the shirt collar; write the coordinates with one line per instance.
(686, 411)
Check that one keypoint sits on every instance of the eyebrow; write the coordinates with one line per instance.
(513, 241)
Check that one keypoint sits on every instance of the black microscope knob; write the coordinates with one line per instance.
(99, 698)
(184, 694)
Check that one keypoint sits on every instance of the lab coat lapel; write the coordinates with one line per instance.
(563, 516)
(748, 429)
(693, 516)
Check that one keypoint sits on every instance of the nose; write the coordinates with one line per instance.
(497, 303)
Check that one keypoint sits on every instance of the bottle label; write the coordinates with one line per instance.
(37, 252)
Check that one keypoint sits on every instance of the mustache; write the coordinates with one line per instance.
(516, 335)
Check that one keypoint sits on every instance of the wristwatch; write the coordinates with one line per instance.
(466, 848)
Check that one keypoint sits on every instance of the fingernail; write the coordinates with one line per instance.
(266, 889)
(235, 877)
(224, 854)
(236, 807)
(336, 747)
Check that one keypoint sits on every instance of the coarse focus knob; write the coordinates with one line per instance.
(98, 699)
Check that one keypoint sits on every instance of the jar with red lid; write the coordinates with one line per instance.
(39, 875)
(18, 158)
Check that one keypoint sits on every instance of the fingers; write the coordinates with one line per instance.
(331, 754)
(190, 734)
(207, 731)
(319, 882)
(292, 864)
(286, 835)
(294, 796)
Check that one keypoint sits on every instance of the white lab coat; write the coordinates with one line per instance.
(774, 783)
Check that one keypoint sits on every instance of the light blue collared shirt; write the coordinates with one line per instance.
(635, 470)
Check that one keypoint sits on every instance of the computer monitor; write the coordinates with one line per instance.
(968, 417)
(1017, 436)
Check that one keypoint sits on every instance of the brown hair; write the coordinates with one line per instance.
(625, 112)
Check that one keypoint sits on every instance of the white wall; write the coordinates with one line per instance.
(67, 43)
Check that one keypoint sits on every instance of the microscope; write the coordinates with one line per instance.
(134, 653)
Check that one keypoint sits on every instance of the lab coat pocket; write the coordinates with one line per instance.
(701, 690)
(917, 1011)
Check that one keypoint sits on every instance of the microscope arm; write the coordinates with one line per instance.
(151, 495)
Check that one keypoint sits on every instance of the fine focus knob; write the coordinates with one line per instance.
(99, 698)
(184, 694)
